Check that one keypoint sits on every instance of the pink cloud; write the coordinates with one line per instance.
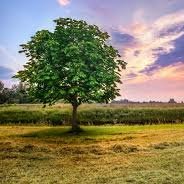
(64, 2)
(148, 39)
(162, 85)
(164, 82)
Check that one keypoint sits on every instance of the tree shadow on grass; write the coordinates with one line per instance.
(66, 132)
(48, 132)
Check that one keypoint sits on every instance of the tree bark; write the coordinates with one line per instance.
(75, 125)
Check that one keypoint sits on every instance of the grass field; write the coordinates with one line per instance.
(93, 114)
(101, 154)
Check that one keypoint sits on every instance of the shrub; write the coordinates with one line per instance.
(90, 114)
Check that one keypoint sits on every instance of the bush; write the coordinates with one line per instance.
(93, 115)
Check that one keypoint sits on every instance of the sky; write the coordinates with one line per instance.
(149, 35)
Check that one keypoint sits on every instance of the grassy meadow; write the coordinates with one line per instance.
(93, 114)
(132, 143)
(101, 154)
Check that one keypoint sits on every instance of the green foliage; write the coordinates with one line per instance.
(16, 94)
(4, 94)
(1, 86)
(74, 63)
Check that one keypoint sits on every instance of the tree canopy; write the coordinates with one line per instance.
(73, 63)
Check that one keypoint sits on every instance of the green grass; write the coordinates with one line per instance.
(100, 154)
(93, 114)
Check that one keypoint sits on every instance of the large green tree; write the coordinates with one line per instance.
(73, 63)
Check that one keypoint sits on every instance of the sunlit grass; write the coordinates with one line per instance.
(100, 154)
(92, 114)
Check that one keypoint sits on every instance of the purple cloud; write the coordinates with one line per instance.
(122, 38)
(150, 69)
(5, 73)
(165, 59)
(131, 75)
(171, 30)
(137, 52)
(176, 55)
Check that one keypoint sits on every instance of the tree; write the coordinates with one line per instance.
(73, 63)
(1, 86)
(2, 99)
(20, 94)
(172, 100)
(15, 94)
(5, 94)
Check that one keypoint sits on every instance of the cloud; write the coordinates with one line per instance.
(123, 38)
(5, 73)
(158, 44)
(174, 56)
(155, 67)
(174, 72)
(138, 16)
(9, 65)
(163, 84)
(169, 21)
(164, 59)
(175, 29)
(130, 76)
(64, 2)
(8, 60)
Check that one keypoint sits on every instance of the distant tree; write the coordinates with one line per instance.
(2, 99)
(172, 100)
(5, 94)
(20, 93)
(74, 63)
(15, 94)
(1, 86)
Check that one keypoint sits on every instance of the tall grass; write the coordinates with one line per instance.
(94, 114)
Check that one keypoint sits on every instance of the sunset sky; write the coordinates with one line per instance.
(149, 34)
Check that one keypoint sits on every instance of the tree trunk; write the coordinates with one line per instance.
(75, 125)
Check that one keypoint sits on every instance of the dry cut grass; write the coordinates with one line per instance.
(100, 154)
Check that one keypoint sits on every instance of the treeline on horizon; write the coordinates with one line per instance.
(18, 94)
(117, 112)
(126, 101)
